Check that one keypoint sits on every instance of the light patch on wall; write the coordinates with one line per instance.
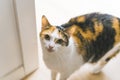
(59, 11)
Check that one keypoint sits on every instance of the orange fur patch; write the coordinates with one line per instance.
(78, 19)
(81, 19)
(73, 32)
(47, 31)
(117, 29)
(89, 35)
(45, 22)
(98, 29)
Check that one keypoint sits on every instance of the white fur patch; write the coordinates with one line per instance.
(64, 60)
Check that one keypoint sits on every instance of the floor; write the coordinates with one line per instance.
(112, 70)
(42, 73)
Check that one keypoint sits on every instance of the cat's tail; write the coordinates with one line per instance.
(106, 58)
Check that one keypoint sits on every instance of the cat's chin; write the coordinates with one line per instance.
(50, 50)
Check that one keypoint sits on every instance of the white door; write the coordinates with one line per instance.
(10, 51)
(18, 39)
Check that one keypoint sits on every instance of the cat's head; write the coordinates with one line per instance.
(53, 38)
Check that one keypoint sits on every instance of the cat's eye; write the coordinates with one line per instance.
(47, 37)
(59, 41)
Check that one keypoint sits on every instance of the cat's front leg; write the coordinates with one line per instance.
(53, 75)
(63, 76)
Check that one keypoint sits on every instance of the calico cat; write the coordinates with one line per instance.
(82, 39)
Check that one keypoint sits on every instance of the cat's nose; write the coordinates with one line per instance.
(50, 47)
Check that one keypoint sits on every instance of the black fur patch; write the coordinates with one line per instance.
(61, 29)
(101, 45)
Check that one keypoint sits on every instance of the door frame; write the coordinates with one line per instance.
(26, 20)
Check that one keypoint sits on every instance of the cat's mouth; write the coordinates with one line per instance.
(50, 50)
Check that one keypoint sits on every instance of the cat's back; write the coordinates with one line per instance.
(95, 26)
(96, 32)
(89, 20)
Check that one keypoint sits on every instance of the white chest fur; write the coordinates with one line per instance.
(66, 59)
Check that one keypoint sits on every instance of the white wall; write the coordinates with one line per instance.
(59, 11)
(10, 51)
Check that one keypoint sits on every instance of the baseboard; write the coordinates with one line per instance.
(18, 74)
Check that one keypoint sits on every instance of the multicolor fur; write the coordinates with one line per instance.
(97, 33)
(82, 39)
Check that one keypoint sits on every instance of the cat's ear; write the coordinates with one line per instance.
(45, 22)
